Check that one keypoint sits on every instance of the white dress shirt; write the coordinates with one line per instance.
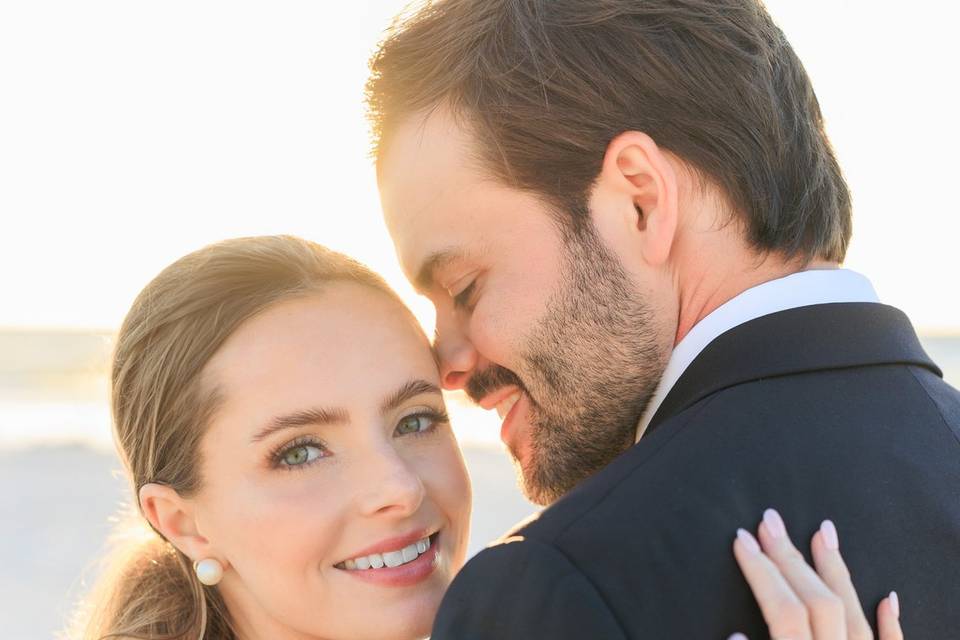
(816, 286)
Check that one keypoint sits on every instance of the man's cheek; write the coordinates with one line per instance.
(490, 334)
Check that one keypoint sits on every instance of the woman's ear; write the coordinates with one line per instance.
(635, 197)
(173, 517)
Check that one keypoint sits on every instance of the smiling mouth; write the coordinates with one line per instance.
(390, 559)
(503, 407)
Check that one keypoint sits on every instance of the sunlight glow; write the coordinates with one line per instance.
(137, 132)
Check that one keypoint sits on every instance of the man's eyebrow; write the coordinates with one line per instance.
(436, 261)
(410, 390)
(317, 416)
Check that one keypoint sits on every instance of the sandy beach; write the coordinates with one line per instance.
(57, 506)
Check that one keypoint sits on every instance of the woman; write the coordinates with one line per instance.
(278, 412)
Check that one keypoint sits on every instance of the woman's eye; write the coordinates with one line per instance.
(300, 454)
(417, 423)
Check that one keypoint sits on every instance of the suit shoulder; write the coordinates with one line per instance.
(616, 484)
(523, 588)
(945, 398)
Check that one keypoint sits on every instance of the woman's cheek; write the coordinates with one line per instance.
(296, 516)
(284, 544)
(444, 474)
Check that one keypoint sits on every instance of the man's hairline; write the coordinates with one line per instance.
(704, 185)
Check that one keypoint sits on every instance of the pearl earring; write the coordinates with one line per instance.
(208, 571)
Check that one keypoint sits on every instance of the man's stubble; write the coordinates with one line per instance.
(589, 368)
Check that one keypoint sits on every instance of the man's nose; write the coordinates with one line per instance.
(457, 356)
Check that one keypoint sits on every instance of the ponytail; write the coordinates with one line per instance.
(147, 591)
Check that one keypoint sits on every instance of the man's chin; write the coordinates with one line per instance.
(533, 492)
(526, 477)
(532, 482)
(546, 474)
(538, 482)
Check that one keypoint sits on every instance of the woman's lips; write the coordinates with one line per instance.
(406, 574)
(397, 542)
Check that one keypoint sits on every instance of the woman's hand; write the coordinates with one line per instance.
(799, 603)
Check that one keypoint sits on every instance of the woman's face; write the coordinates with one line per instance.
(329, 456)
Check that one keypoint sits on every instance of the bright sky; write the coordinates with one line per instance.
(132, 133)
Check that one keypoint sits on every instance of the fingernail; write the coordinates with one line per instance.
(895, 604)
(748, 541)
(829, 533)
(737, 636)
(774, 523)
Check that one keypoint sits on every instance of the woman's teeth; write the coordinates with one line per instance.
(389, 559)
(504, 406)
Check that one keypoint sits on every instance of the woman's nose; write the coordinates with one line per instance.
(393, 486)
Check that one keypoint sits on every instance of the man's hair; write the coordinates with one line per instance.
(543, 86)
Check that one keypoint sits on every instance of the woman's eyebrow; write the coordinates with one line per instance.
(303, 418)
(409, 390)
(322, 416)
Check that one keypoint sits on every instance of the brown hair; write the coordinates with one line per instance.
(545, 85)
(161, 407)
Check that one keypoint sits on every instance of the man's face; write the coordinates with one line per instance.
(543, 325)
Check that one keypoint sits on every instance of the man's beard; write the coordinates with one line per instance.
(588, 369)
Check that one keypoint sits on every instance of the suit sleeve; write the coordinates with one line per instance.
(523, 589)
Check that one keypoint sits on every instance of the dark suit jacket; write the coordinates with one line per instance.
(828, 411)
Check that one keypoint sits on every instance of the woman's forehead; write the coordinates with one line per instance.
(339, 340)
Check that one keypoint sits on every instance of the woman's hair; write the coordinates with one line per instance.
(161, 408)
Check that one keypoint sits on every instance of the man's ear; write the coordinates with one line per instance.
(635, 197)
(173, 517)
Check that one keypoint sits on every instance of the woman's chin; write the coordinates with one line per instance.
(420, 613)
(405, 625)
(403, 617)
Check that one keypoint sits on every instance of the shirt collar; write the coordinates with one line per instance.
(816, 286)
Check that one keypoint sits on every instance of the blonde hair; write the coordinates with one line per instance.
(161, 408)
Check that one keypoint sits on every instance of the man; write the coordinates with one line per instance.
(630, 221)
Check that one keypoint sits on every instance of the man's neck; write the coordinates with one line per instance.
(715, 285)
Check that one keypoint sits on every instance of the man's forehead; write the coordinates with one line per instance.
(422, 235)
(420, 149)
(424, 183)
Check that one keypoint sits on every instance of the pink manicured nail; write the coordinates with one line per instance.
(737, 636)
(748, 541)
(829, 533)
(895, 604)
(774, 523)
